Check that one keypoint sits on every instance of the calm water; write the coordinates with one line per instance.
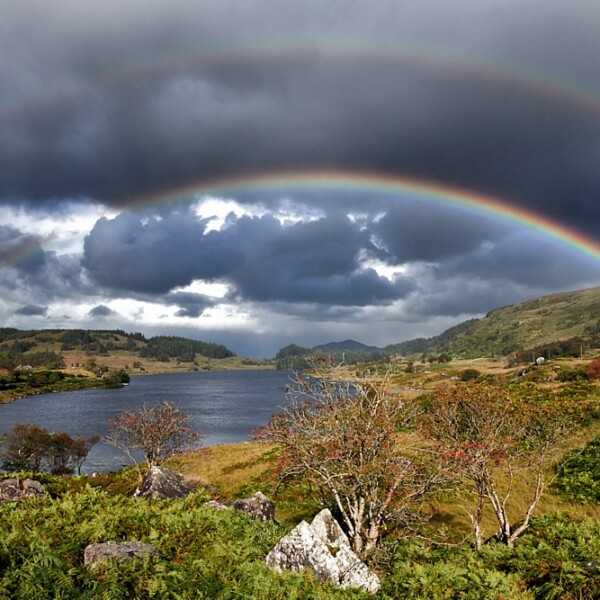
(225, 406)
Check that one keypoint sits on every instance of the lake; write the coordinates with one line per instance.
(224, 405)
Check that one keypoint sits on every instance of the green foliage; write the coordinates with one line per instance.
(469, 374)
(204, 553)
(44, 358)
(569, 348)
(292, 358)
(116, 379)
(578, 473)
(165, 347)
(577, 373)
(27, 382)
(548, 562)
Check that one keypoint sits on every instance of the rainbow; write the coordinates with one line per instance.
(22, 250)
(440, 60)
(380, 183)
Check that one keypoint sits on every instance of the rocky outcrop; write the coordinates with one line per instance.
(161, 483)
(15, 490)
(323, 548)
(259, 507)
(97, 553)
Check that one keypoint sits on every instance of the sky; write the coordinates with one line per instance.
(265, 172)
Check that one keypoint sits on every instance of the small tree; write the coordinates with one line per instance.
(32, 448)
(65, 454)
(157, 431)
(349, 441)
(25, 447)
(486, 434)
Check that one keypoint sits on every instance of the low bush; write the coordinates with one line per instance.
(578, 474)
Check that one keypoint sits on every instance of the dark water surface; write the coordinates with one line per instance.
(224, 405)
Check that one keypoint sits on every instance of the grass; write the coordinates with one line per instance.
(236, 470)
(228, 468)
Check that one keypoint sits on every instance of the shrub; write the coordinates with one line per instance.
(593, 369)
(469, 374)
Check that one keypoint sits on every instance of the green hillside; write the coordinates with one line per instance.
(565, 324)
(534, 324)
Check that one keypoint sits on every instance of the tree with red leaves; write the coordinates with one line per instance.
(485, 434)
(593, 368)
(351, 443)
(157, 431)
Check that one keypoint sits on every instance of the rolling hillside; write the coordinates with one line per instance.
(532, 324)
(567, 323)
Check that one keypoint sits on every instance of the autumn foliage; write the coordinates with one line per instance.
(485, 434)
(349, 441)
(33, 448)
(593, 368)
(157, 431)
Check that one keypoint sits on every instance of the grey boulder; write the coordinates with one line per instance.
(259, 507)
(15, 490)
(161, 483)
(97, 553)
(323, 548)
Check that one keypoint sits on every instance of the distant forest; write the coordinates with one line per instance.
(43, 348)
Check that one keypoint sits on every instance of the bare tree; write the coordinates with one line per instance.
(350, 442)
(157, 431)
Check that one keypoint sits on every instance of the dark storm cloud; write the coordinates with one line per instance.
(80, 121)
(107, 102)
(526, 259)
(101, 311)
(153, 256)
(426, 232)
(516, 267)
(32, 310)
(264, 260)
(191, 305)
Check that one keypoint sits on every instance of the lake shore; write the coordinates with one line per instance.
(83, 379)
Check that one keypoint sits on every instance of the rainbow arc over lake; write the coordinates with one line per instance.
(399, 187)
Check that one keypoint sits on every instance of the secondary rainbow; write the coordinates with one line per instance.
(276, 51)
(381, 183)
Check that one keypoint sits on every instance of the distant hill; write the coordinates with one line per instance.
(558, 324)
(49, 347)
(534, 324)
(346, 346)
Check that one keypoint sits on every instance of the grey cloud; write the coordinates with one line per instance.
(20, 250)
(106, 103)
(198, 114)
(154, 256)
(32, 310)
(419, 231)
(191, 305)
(264, 260)
(526, 259)
(101, 311)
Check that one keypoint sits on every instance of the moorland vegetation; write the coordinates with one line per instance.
(442, 534)
(456, 473)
